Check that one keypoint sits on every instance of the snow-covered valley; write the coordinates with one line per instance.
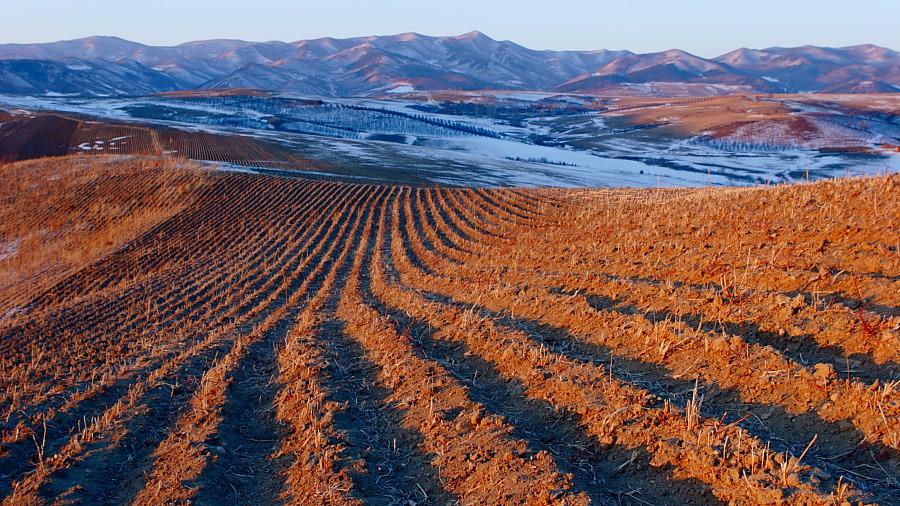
(503, 139)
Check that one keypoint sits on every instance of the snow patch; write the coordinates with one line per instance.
(8, 249)
(523, 96)
(403, 88)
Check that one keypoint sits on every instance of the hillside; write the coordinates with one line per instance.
(259, 338)
(379, 64)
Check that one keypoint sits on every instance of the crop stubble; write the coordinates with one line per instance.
(260, 339)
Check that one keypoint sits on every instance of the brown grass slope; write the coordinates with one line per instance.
(172, 334)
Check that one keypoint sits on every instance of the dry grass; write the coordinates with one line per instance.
(692, 116)
(48, 231)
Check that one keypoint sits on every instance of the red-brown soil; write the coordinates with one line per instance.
(753, 119)
(25, 137)
(41, 135)
(266, 340)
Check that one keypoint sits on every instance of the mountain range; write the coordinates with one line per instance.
(382, 64)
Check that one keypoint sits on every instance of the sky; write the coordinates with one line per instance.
(704, 27)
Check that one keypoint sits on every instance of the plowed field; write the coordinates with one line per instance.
(231, 338)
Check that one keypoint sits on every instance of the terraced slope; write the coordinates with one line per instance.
(28, 136)
(312, 342)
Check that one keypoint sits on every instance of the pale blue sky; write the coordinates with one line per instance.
(705, 27)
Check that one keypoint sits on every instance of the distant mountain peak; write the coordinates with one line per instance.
(408, 36)
(474, 34)
(470, 61)
(107, 38)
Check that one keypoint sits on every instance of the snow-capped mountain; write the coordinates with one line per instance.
(865, 68)
(804, 69)
(674, 66)
(410, 61)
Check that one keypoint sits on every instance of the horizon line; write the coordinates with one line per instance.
(418, 34)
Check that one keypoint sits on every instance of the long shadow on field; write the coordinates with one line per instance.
(420, 203)
(604, 472)
(439, 205)
(790, 431)
(404, 217)
(829, 298)
(109, 469)
(395, 469)
(488, 200)
(802, 348)
(114, 329)
(454, 202)
(832, 297)
(870, 275)
(248, 430)
(105, 317)
(21, 455)
(515, 201)
(787, 431)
